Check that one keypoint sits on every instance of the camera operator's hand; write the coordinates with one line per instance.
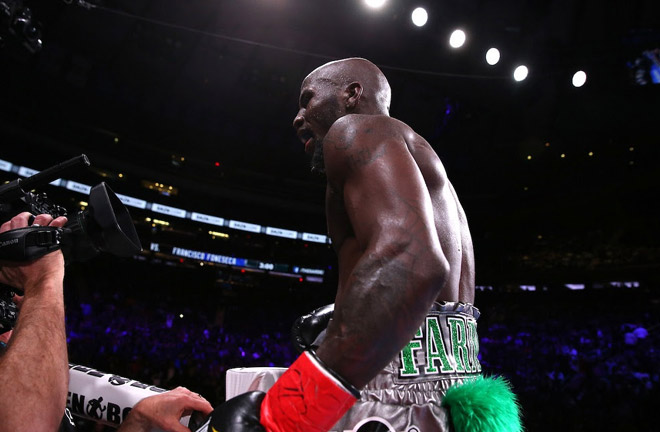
(164, 411)
(35, 274)
(34, 367)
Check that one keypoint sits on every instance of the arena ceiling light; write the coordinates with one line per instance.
(375, 4)
(520, 73)
(457, 38)
(492, 56)
(579, 78)
(419, 16)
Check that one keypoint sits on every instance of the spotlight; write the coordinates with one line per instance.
(457, 39)
(492, 56)
(374, 4)
(419, 16)
(520, 73)
(579, 78)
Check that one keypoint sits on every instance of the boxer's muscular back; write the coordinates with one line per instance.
(450, 221)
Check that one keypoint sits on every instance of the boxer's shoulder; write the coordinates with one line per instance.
(351, 125)
(357, 140)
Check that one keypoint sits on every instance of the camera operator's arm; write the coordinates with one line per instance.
(34, 366)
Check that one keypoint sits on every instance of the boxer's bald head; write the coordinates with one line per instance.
(338, 88)
(356, 73)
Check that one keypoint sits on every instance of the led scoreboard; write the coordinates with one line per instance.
(231, 261)
(261, 265)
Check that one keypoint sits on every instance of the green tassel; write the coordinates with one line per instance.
(483, 405)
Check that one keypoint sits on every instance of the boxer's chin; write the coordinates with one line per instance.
(318, 163)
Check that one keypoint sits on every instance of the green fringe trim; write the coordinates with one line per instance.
(483, 405)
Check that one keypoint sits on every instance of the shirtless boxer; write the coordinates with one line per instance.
(402, 240)
(403, 328)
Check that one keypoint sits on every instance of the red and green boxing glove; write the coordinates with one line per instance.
(308, 397)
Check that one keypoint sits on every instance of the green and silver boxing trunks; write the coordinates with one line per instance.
(406, 395)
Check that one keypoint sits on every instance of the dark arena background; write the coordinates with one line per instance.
(184, 109)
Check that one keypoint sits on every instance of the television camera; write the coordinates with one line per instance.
(104, 226)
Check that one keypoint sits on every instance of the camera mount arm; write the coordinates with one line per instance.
(15, 189)
(15, 196)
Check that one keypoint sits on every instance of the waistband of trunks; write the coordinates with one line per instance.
(413, 393)
(456, 307)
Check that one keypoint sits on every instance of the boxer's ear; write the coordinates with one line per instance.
(353, 95)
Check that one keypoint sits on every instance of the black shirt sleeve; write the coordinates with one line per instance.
(67, 424)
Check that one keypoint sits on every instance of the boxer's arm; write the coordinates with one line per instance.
(401, 267)
(34, 366)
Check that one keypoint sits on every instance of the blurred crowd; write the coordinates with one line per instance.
(168, 347)
(579, 361)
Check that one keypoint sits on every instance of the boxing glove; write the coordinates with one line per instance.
(307, 328)
(238, 414)
(308, 397)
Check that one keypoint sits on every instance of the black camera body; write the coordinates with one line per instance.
(17, 22)
(8, 311)
(105, 226)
